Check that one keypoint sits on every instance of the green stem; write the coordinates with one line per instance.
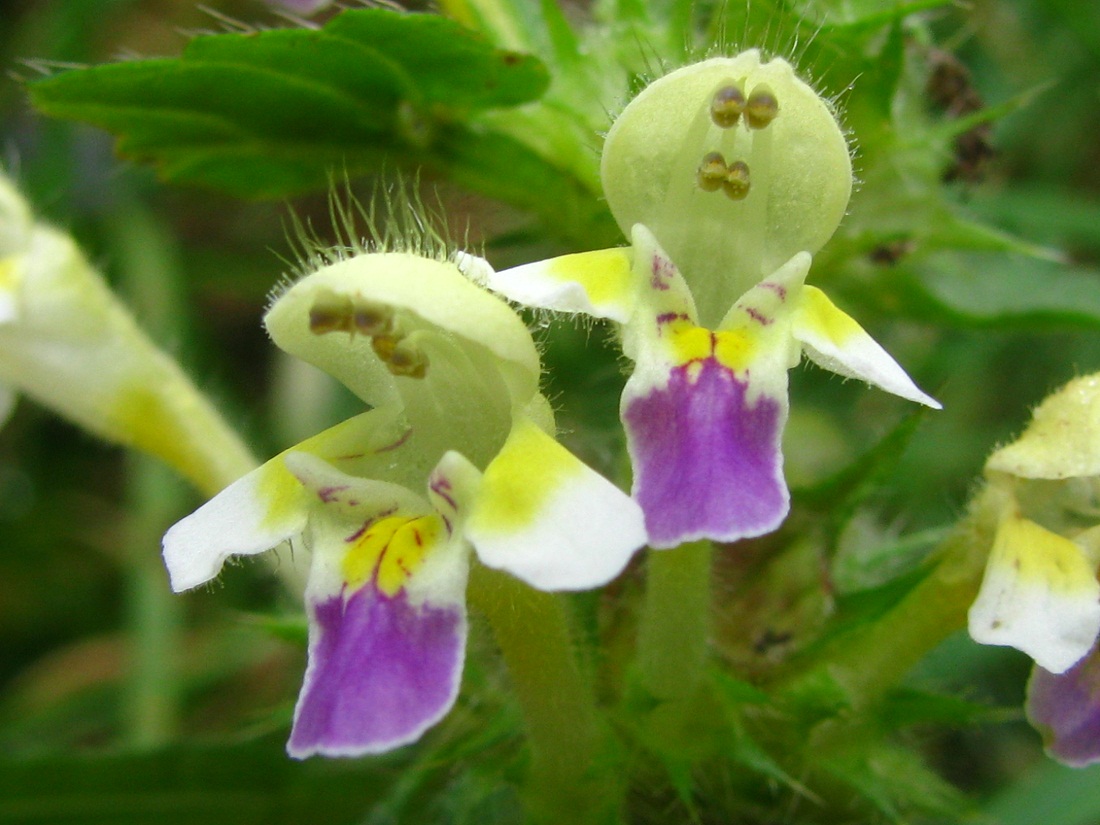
(152, 690)
(673, 639)
(868, 663)
(570, 780)
(151, 706)
(675, 625)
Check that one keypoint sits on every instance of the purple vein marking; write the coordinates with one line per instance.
(662, 270)
(758, 316)
(404, 437)
(370, 523)
(778, 289)
(330, 494)
(669, 317)
(441, 486)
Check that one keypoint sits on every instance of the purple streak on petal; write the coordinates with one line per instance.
(669, 317)
(758, 316)
(706, 464)
(778, 289)
(1065, 709)
(381, 672)
(662, 271)
(331, 493)
(398, 443)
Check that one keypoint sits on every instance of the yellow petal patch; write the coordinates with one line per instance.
(1042, 557)
(822, 315)
(9, 275)
(280, 491)
(150, 418)
(548, 519)
(733, 348)
(833, 340)
(508, 498)
(604, 274)
(389, 551)
(598, 283)
(1063, 439)
(1039, 595)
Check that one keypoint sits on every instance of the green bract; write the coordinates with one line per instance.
(734, 165)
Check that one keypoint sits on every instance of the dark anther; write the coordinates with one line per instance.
(712, 172)
(736, 184)
(409, 362)
(330, 313)
(383, 346)
(726, 106)
(371, 319)
(761, 108)
(400, 357)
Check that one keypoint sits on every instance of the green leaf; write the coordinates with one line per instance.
(735, 691)
(896, 782)
(908, 706)
(841, 14)
(1048, 213)
(862, 566)
(815, 698)
(241, 784)
(838, 497)
(854, 610)
(1052, 794)
(882, 86)
(745, 751)
(288, 628)
(972, 289)
(271, 113)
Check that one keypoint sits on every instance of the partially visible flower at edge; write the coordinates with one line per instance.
(727, 175)
(1040, 593)
(457, 452)
(70, 344)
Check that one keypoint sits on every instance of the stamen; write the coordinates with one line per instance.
(383, 346)
(712, 172)
(408, 360)
(400, 356)
(761, 109)
(736, 185)
(330, 313)
(726, 106)
(372, 319)
(341, 313)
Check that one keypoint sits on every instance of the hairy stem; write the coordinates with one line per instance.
(570, 780)
(672, 640)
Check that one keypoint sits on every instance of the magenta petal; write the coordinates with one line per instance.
(381, 672)
(1065, 709)
(707, 464)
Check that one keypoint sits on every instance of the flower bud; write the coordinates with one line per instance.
(1063, 439)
